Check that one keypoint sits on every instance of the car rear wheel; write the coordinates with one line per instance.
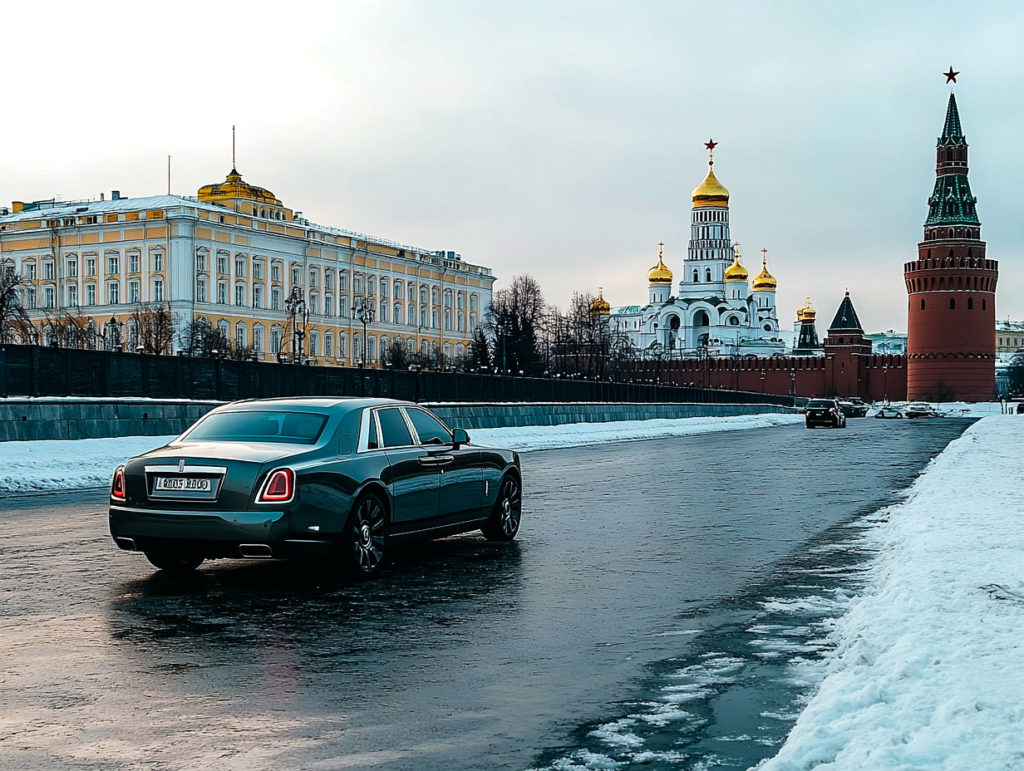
(364, 542)
(173, 562)
(507, 512)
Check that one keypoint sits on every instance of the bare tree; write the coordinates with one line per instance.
(154, 327)
(515, 322)
(14, 322)
(199, 338)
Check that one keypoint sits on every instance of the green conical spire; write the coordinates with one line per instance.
(951, 130)
(846, 316)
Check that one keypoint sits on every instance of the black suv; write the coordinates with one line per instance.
(853, 406)
(824, 412)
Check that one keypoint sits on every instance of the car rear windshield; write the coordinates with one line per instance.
(252, 426)
(820, 403)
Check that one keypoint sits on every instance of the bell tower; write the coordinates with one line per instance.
(951, 286)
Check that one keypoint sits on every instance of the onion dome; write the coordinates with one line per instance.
(234, 187)
(660, 274)
(710, 192)
(765, 281)
(736, 272)
(599, 306)
(807, 312)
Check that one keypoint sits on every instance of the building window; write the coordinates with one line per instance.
(433, 319)
(239, 266)
(30, 271)
(240, 294)
(328, 344)
(329, 279)
(342, 346)
(240, 336)
(398, 290)
(90, 266)
(257, 269)
(398, 313)
(112, 265)
(343, 307)
(296, 275)
(312, 278)
(970, 303)
(343, 280)
(275, 299)
(275, 272)
(314, 340)
(257, 338)
(158, 261)
(257, 297)
(201, 291)
(200, 261)
(329, 304)
(222, 293)
(133, 263)
(30, 297)
(113, 293)
(133, 291)
(72, 268)
(48, 270)
(48, 297)
(222, 263)
(158, 291)
(90, 294)
(922, 304)
(73, 296)
(357, 284)
(275, 339)
(952, 303)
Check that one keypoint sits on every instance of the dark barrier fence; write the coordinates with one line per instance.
(28, 370)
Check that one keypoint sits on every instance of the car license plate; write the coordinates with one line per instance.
(178, 484)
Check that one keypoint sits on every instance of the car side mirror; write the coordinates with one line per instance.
(459, 437)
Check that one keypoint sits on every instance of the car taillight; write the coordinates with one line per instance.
(279, 487)
(117, 486)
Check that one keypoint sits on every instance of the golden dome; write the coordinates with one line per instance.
(234, 187)
(599, 306)
(736, 272)
(659, 274)
(765, 281)
(807, 312)
(710, 192)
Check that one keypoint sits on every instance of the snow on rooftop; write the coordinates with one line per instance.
(929, 660)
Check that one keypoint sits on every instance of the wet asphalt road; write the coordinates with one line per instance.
(465, 654)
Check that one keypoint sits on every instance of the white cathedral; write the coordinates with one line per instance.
(714, 309)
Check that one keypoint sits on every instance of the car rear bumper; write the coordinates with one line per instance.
(253, 534)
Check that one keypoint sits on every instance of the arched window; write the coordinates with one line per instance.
(398, 313)
(984, 304)
(707, 275)
(696, 276)
(970, 303)
(922, 304)
(952, 303)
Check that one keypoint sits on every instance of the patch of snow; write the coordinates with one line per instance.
(54, 464)
(927, 664)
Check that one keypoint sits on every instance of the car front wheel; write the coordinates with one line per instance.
(364, 542)
(507, 512)
(173, 562)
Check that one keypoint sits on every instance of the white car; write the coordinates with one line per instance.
(889, 411)
(920, 410)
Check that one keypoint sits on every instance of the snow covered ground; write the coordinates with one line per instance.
(929, 660)
(55, 465)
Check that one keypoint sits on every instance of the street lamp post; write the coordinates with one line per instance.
(762, 381)
(885, 383)
(299, 315)
(364, 314)
(792, 383)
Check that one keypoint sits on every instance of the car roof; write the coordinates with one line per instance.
(305, 403)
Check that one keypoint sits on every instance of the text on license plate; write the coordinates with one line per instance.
(199, 484)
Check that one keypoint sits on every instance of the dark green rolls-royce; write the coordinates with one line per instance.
(341, 478)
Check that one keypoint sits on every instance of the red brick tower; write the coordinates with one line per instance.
(951, 317)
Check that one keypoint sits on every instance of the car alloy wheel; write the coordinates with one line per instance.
(507, 512)
(367, 535)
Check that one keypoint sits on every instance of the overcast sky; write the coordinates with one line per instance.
(559, 139)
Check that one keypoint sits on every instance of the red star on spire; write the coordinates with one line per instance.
(951, 76)
(711, 144)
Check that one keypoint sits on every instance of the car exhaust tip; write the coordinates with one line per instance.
(128, 544)
(257, 551)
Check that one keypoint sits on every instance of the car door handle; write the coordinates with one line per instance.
(436, 460)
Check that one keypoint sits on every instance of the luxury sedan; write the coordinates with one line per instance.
(824, 412)
(340, 478)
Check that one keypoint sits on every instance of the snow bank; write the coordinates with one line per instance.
(928, 663)
(54, 464)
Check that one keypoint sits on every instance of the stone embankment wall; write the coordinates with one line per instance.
(84, 418)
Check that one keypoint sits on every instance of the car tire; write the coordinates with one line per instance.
(173, 562)
(507, 512)
(364, 540)
(899, 414)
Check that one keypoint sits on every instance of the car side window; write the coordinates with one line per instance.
(393, 431)
(371, 439)
(430, 429)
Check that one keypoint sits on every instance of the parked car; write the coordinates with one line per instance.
(888, 411)
(824, 412)
(339, 478)
(920, 410)
(853, 407)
